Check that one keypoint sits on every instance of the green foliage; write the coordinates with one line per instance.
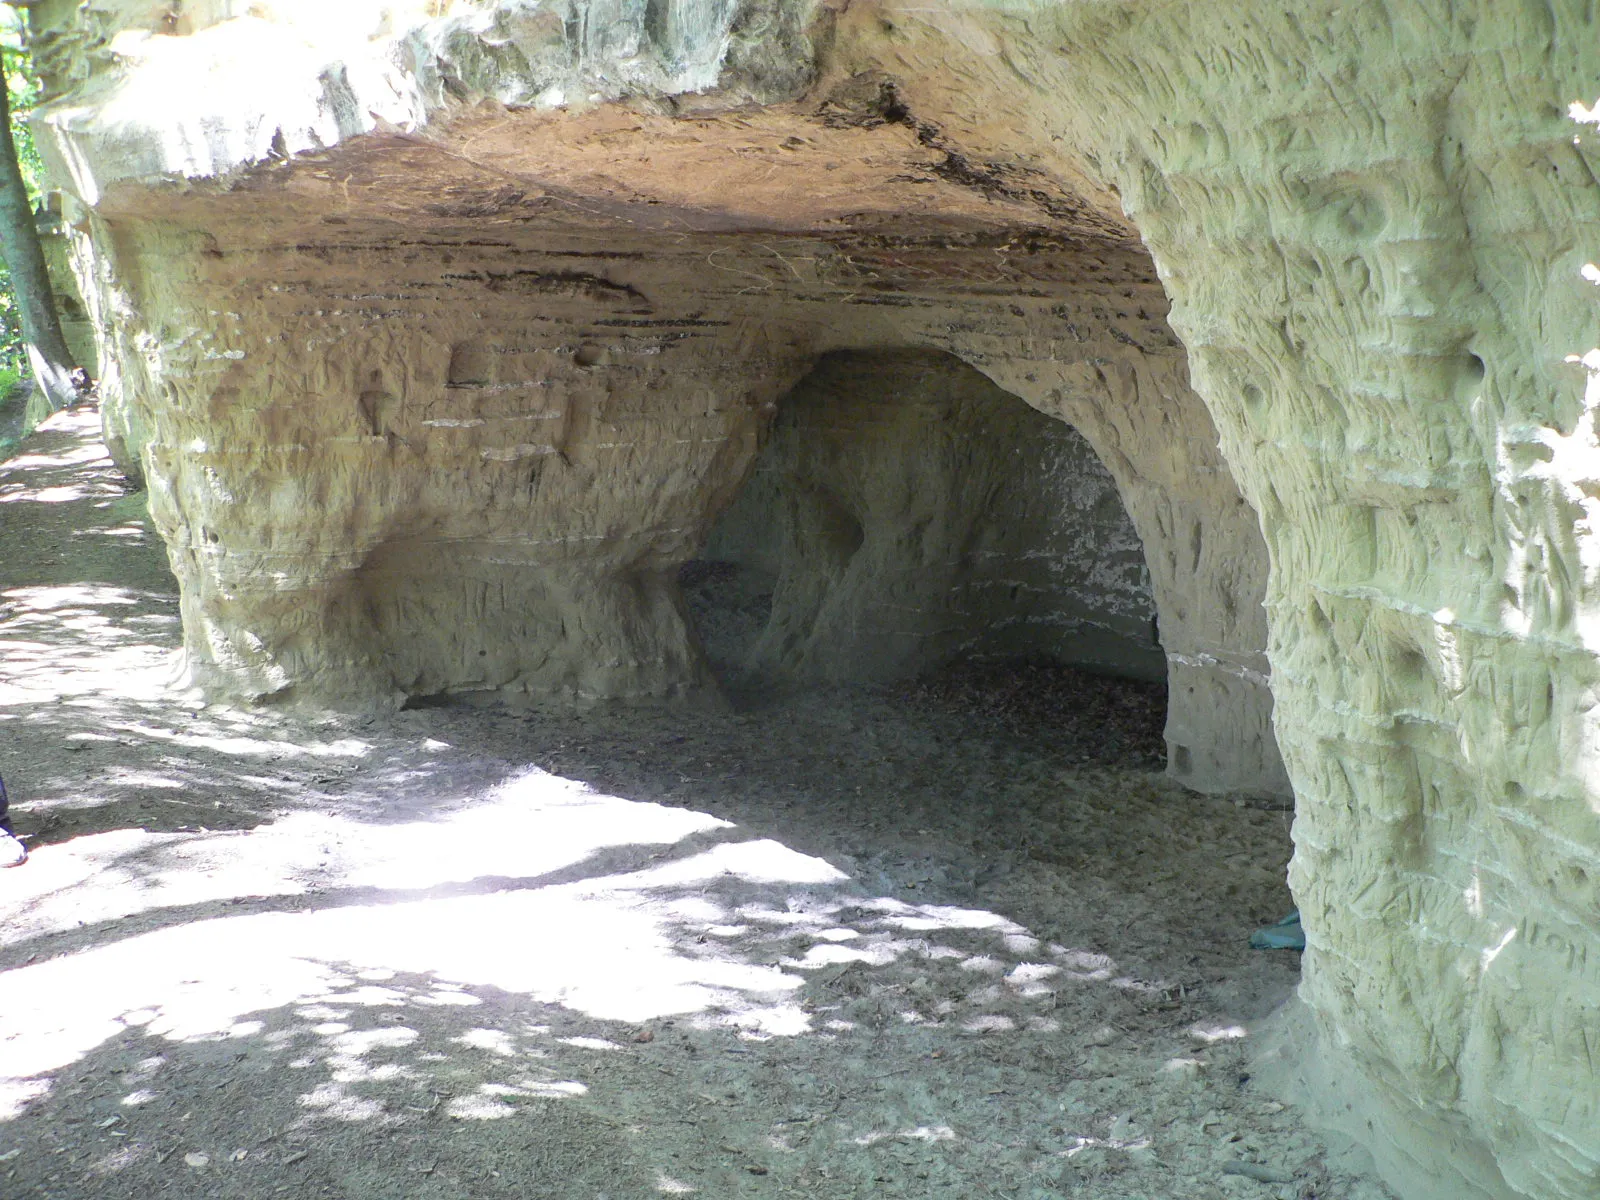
(13, 350)
(23, 84)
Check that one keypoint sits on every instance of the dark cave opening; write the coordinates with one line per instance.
(908, 520)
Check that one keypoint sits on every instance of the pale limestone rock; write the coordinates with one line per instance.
(443, 405)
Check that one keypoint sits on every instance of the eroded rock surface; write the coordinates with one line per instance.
(445, 345)
(481, 423)
(907, 512)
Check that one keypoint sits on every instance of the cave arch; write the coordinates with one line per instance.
(908, 510)
(905, 512)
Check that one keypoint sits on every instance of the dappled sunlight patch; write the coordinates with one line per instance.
(753, 1021)
(320, 1012)
(829, 954)
(798, 917)
(406, 939)
(534, 825)
(1082, 1144)
(545, 943)
(137, 871)
(493, 1101)
(1212, 1031)
(195, 736)
(448, 998)
(17, 1094)
(57, 598)
(839, 934)
(133, 532)
(562, 1089)
(928, 918)
(1033, 979)
(927, 1134)
(100, 660)
(135, 777)
(86, 454)
(758, 861)
(359, 1043)
(56, 495)
(692, 909)
(333, 1099)
(771, 1021)
(366, 996)
(89, 454)
(478, 1108)
(495, 1041)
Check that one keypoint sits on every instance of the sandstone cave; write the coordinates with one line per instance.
(629, 545)
(906, 513)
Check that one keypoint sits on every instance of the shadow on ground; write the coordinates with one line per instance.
(671, 1006)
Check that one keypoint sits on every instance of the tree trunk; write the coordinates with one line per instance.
(61, 379)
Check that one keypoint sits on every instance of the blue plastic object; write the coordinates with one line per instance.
(1281, 935)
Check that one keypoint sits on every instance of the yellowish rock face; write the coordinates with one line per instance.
(444, 332)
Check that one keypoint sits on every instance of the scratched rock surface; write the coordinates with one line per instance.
(906, 512)
(441, 365)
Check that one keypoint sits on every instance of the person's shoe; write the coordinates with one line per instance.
(12, 852)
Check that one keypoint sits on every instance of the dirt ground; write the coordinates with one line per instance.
(955, 939)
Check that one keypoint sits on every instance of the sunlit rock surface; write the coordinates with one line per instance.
(446, 331)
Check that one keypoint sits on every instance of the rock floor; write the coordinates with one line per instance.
(958, 939)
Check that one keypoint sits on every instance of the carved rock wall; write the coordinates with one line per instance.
(1376, 222)
(1381, 321)
(906, 512)
(472, 455)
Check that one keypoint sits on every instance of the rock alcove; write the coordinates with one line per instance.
(906, 513)
(445, 333)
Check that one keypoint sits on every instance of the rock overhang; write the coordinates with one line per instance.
(1365, 215)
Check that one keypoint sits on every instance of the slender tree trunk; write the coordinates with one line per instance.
(54, 371)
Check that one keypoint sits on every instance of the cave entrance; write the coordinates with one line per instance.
(907, 514)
